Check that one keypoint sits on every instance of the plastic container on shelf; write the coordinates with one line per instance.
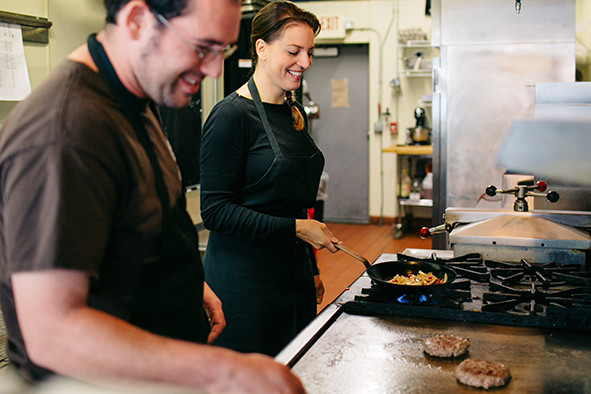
(405, 184)
(427, 186)
(415, 190)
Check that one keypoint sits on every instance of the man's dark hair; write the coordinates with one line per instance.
(167, 8)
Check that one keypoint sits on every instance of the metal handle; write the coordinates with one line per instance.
(353, 254)
(425, 232)
(525, 189)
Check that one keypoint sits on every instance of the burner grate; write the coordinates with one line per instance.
(487, 291)
(525, 288)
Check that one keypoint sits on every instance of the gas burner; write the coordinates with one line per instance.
(486, 291)
(416, 299)
(451, 296)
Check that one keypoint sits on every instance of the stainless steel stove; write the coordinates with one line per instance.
(361, 343)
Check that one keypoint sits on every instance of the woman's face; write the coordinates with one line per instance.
(287, 58)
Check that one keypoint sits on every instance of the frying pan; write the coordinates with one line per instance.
(383, 272)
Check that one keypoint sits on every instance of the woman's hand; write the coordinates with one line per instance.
(213, 308)
(319, 289)
(316, 234)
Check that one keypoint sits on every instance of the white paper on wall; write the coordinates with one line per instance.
(14, 76)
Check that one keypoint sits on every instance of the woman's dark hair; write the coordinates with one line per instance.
(167, 8)
(269, 25)
(270, 22)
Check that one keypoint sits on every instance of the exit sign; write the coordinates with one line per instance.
(333, 26)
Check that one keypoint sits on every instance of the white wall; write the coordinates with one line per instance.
(73, 21)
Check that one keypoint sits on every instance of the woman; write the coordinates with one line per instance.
(259, 171)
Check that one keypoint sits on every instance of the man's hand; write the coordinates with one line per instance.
(66, 336)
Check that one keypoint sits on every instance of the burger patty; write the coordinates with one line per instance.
(446, 346)
(482, 373)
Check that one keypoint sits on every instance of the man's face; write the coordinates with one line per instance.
(168, 70)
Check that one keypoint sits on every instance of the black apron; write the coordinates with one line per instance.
(294, 176)
(267, 290)
(163, 296)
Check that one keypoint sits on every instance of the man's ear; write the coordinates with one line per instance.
(135, 17)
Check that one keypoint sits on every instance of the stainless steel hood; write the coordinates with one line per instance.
(555, 149)
(542, 236)
(521, 230)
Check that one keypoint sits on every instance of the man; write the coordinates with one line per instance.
(100, 278)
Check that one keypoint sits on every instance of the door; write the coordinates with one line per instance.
(339, 84)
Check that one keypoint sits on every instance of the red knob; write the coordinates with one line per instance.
(424, 232)
(541, 185)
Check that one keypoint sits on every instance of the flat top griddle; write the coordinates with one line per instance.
(342, 352)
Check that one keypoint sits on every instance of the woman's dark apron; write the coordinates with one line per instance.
(267, 289)
(163, 296)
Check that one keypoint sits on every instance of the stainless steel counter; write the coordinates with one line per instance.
(342, 353)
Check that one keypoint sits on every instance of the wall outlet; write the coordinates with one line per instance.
(377, 127)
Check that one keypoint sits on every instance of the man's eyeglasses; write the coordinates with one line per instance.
(204, 53)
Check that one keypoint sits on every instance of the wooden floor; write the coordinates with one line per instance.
(339, 270)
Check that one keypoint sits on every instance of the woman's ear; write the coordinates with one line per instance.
(261, 49)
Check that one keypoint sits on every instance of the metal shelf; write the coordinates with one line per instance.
(412, 153)
(34, 28)
(411, 150)
(416, 74)
(415, 44)
(423, 202)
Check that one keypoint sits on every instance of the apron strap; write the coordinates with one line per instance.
(263, 115)
(130, 105)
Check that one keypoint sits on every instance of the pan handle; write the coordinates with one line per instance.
(353, 254)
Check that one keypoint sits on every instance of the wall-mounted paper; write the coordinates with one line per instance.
(340, 93)
(14, 76)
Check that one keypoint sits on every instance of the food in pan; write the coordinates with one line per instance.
(446, 346)
(420, 279)
(482, 373)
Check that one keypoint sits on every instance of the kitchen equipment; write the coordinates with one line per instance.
(522, 190)
(359, 336)
(414, 62)
(543, 236)
(420, 134)
(488, 291)
(482, 58)
(382, 273)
